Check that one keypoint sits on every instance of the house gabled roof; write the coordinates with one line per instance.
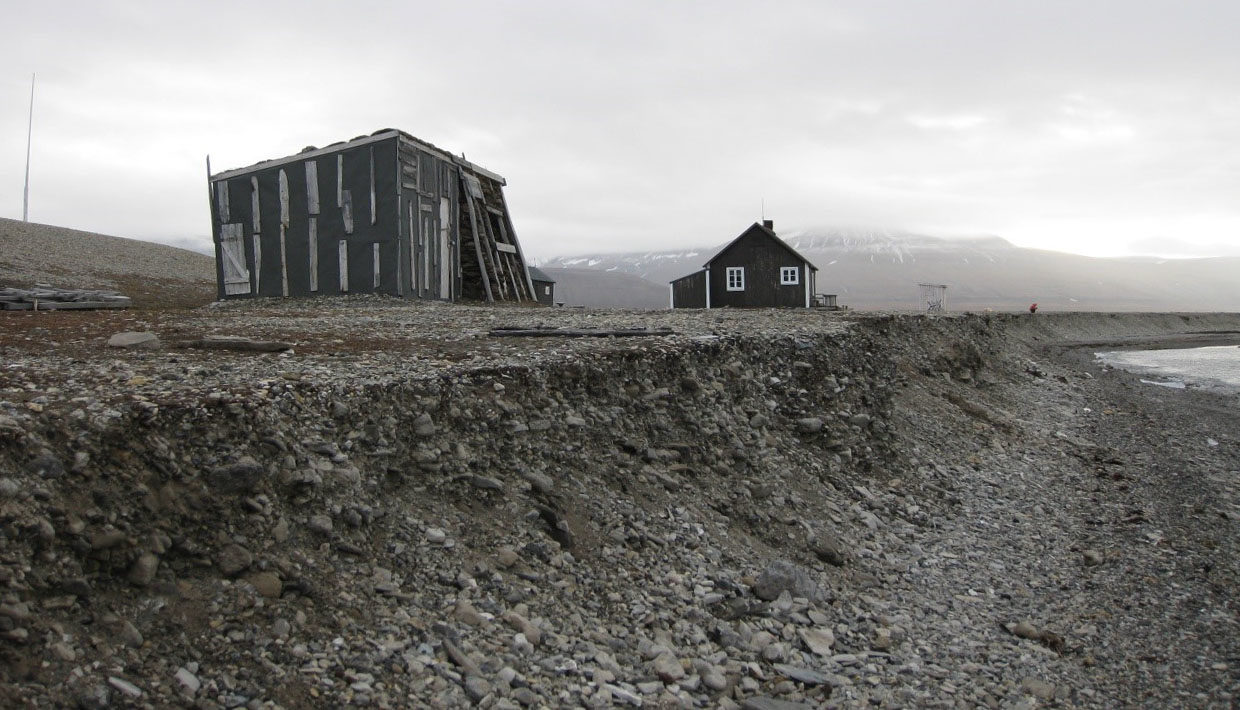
(766, 232)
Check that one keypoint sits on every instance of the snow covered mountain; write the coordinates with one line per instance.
(881, 269)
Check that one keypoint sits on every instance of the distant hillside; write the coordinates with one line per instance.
(149, 273)
(881, 269)
(606, 289)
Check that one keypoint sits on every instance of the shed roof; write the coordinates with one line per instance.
(537, 274)
(379, 135)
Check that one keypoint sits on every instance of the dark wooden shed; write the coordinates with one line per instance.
(755, 270)
(385, 213)
(544, 286)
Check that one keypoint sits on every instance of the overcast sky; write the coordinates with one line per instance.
(1103, 128)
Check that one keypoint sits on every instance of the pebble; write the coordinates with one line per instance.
(143, 571)
(668, 668)
(189, 682)
(268, 584)
(818, 641)
(63, 651)
(623, 696)
(781, 576)
(125, 687)
(233, 560)
(1038, 688)
(320, 524)
(477, 688)
(762, 702)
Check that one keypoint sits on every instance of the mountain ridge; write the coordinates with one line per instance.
(873, 269)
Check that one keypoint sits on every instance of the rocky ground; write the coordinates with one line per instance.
(762, 510)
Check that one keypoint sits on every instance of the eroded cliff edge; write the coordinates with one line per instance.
(791, 506)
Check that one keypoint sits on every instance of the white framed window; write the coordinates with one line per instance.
(736, 278)
(789, 275)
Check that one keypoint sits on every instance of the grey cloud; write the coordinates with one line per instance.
(640, 124)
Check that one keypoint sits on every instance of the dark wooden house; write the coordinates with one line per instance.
(755, 270)
(544, 286)
(385, 213)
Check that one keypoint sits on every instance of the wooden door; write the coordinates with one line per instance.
(445, 249)
(232, 253)
(426, 248)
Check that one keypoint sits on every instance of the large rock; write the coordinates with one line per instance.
(810, 425)
(818, 641)
(828, 548)
(142, 573)
(233, 560)
(46, 466)
(423, 425)
(532, 633)
(240, 477)
(668, 668)
(783, 576)
(267, 584)
(145, 340)
(803, 675)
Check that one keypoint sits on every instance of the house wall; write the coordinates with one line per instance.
(762, 258)
(545, 292)
(689, 291)
(282, 267)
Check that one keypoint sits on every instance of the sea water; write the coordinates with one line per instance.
(1213, 367)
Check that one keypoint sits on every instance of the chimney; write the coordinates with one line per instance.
(769, 224)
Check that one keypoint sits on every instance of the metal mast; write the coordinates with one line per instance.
(29, 129)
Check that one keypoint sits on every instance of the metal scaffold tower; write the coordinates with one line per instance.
(933, 297)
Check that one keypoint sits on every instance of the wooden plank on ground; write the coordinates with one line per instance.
(513, 332)
(236, 343)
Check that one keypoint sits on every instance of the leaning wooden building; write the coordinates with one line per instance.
(385, 213)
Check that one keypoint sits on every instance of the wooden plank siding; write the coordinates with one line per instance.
(690, 291)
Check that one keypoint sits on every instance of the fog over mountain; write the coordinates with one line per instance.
(873, 269)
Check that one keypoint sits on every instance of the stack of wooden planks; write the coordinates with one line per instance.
(43, 297)
(500, 262)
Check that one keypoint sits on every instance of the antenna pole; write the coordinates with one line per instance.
(29, 130)
(763, 210)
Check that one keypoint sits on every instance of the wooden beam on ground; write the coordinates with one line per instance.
(239, 344)
(577, 332)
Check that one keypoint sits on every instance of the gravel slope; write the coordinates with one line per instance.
(152, 274)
